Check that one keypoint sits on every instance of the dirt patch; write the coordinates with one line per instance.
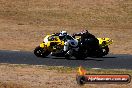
(27, 37)
(23, 24)
(12, 85)
(25, 76)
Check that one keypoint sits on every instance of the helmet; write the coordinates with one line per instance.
(84, 31)
(63, 33)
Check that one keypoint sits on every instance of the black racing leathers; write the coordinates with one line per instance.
(88, 39)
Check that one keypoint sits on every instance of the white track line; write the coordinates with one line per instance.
(96, 68)
(15, 50)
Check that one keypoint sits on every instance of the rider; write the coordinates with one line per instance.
(62, 35)
(69, 42)
(93, 41)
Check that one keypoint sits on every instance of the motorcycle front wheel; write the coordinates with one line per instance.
(41, 52)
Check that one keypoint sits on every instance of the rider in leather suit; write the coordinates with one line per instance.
(86, 36)
(70, 42)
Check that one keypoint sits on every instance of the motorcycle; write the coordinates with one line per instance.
(53, 44)
(50, 44)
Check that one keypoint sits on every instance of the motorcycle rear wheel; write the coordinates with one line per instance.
(104, 51)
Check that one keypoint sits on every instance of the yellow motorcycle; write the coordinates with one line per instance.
(52, 43)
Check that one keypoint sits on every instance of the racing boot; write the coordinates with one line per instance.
(68, 54)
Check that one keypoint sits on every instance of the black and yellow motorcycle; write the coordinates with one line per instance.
(53, 44)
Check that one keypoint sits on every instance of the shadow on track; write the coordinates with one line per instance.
(110, 61)
(94, 59)
(88, 58)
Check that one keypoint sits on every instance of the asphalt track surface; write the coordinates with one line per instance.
(111, 61)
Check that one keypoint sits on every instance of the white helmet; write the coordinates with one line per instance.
(63, 33)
